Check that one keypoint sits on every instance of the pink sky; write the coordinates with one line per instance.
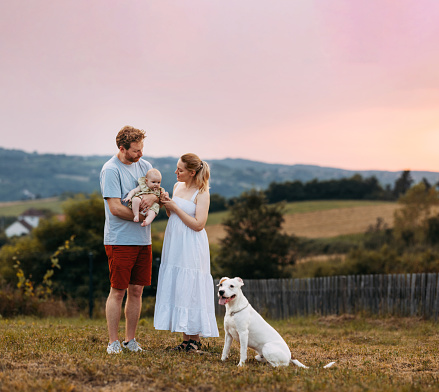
(341, 83)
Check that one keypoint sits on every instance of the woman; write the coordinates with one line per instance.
(185, 291)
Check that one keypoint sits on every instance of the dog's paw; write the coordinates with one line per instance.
(241, 363)
(223, 358)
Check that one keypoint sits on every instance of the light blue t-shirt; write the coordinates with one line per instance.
(117, 179)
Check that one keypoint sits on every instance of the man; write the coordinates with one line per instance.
(127, 243)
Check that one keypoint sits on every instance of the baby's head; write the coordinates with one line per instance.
(153, 179)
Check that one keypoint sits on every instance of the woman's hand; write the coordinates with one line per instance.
(169, 204)
(164, 197)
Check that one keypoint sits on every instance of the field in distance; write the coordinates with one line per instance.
(316, 219)
(312, 219)
(16, 208)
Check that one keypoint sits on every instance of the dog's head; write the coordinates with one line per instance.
(229, 289)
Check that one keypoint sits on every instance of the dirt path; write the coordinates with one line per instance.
(324, 224)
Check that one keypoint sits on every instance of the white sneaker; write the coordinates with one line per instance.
(114, 348)
(132, 345)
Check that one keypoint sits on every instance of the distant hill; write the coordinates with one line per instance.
(26, 175)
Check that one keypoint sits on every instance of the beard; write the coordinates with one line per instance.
(133, 160)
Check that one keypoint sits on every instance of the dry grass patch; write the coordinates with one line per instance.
(371, 354)
(326, 223)
(321, 258)
(333, 223)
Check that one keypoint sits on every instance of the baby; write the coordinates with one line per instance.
(150, 184)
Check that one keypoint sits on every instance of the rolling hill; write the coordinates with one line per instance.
(28, 175)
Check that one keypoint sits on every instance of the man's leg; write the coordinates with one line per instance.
(133, 307)
(113, 311)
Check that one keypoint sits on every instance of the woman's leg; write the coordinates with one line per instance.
(188, 340)
(191, 337)
(194, 344)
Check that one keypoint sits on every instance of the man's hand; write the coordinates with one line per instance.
(147, 201)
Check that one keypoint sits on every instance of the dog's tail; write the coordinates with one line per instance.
(300, 364)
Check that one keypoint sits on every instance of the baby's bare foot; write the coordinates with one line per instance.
(144, 224)
(136, 218)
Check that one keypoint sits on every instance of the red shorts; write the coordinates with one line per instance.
(129, 264)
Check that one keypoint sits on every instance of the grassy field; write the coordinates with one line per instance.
(312, 219)
(325, 219)
(15, 208)
(315, 219)
(370, 354)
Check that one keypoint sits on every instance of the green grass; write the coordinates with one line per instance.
(17, 208)
(322, 205)
(59, 354)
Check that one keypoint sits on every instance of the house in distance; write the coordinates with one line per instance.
(24, 224)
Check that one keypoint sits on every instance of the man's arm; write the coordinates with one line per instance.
(119, 210)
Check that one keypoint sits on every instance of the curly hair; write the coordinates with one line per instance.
(201, 169)
(128, 135)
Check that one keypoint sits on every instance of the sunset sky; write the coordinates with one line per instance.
(340, 83)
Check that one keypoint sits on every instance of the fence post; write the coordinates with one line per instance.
(436, 301)
(90, 291)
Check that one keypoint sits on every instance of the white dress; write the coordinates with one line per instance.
(185, 289)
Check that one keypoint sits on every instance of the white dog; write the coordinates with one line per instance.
(247, 327)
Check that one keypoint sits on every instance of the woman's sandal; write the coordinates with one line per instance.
(182, 346)
(193, 346)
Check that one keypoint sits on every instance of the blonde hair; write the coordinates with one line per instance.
(202, 171)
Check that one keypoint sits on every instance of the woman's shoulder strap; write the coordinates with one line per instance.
(194, 195)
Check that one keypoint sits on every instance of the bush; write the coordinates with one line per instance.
(14, 303)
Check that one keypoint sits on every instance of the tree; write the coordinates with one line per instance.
(288, 191)
(217, 203)
(254, 247)
(411, 221)
(426, 182)
(402, 184)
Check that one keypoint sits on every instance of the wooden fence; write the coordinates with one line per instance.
(398, 295)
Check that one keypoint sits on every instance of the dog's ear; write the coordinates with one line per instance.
(222, 280)
(240, 281)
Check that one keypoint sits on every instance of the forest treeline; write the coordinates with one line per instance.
(55, 258)
(353, 188)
